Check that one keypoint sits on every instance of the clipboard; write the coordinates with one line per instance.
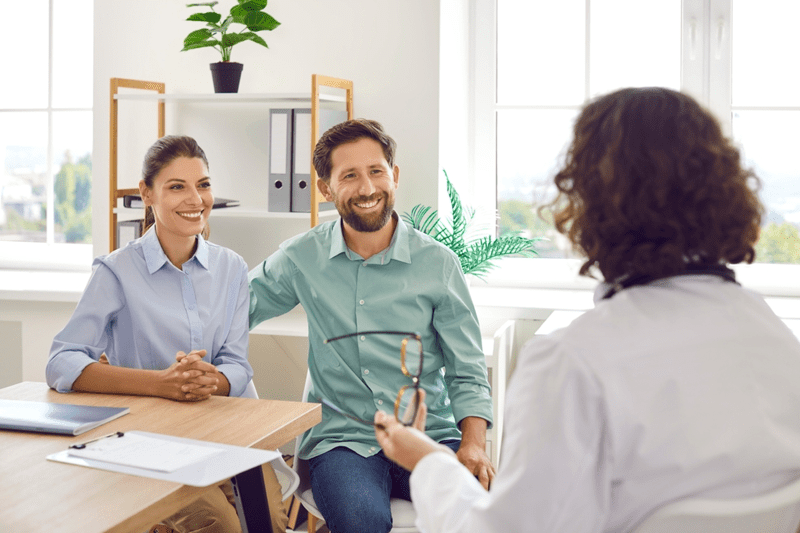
(223, 461)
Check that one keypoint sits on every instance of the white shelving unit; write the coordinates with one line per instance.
(155, 92)
(260, 98)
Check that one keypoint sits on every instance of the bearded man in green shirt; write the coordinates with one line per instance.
(397, 311)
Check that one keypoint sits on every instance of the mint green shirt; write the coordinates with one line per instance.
(415, 285)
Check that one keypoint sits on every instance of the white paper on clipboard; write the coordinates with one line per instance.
(225, 462)
(143, 451)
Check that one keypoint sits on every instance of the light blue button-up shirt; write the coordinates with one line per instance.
(141, 310)
(415, 285)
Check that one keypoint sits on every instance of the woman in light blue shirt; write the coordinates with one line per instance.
(169, 310)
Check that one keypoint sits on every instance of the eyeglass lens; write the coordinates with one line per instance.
(407, 404)
(411, 356)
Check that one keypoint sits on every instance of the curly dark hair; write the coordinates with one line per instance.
(650, 183)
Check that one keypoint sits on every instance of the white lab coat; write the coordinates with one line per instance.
(683, 387)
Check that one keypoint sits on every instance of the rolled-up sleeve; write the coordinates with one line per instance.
(85, 337)
(455, 321)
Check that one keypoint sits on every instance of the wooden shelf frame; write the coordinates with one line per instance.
(318, 81)
(115, 193)
(159, 95)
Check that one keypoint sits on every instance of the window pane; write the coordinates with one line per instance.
(634, 44)
(72, 161)
(766, 52)
(530, 148)
(540, 52)
(23, 184)
(26, 33)
(770, 140)
(72, 53)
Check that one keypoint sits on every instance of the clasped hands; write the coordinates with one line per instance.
(407, 445)
(190, 378)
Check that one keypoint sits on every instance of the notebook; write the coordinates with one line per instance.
(57, 418)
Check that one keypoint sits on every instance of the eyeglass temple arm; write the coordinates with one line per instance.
(405, 333)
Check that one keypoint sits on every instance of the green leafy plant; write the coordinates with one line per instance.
(249, 13)
(476, 255)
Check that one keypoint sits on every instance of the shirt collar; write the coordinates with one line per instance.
(398, 247)
(155, 257)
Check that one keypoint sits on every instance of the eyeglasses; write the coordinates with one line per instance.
(406, 405)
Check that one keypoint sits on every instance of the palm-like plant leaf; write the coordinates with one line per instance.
(476, 257)
(425, 219)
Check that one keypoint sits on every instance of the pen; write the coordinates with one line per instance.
(83, 444)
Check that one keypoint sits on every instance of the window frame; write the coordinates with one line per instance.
(48, 255)
(705, 74)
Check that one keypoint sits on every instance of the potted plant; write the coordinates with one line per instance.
(219, 34)
(476, 255)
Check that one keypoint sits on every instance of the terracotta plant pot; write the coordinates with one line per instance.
(226, 76)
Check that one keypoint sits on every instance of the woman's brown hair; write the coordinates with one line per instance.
(650, 183)
(163, 152)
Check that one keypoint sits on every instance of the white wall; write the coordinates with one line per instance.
(388, 48)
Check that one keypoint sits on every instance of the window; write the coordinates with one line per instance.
(547, 59)
(46, 134)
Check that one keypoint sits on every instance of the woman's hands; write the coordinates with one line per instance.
(191, 379)
(406, 446)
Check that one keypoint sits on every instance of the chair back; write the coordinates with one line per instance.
(250, 391)
(777, 511)
(287, 478)
(403, 513)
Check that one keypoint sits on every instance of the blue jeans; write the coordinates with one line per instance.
(352, 492)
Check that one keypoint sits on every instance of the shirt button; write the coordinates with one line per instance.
(366, 371)
(363, 337)
(361, 302)
(380, 402)
(191, 307)
(372, 450)
(363, 264)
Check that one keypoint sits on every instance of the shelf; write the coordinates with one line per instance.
(242, 212)
(230, 97)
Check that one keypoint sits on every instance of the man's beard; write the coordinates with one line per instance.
(366, 223)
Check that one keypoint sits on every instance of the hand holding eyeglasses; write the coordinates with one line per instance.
(409, 397)
(406, 445)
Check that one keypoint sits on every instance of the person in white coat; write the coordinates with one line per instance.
(680, 382)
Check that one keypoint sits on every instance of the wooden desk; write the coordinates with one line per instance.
(41, 495)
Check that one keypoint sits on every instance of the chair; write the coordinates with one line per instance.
(403, 514)
(777, 511)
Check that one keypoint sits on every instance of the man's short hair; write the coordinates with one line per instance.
(348, 132)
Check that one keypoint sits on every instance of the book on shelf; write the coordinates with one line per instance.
(134, 200)
(56, 418)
